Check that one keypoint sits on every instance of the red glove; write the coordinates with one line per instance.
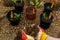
(24, 37)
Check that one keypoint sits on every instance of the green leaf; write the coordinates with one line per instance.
(31, 3)
(14, 1)
(17, 15)
(44, 14)
(36, 0)
(41, 3)
(37, 3)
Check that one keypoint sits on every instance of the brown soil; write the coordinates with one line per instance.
(8, 32)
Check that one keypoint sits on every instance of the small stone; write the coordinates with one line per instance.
(2, 15)
(56, 24)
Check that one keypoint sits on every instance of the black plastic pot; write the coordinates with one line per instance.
(13, 20)
(45, 23)
(19, 6)
(47, 7)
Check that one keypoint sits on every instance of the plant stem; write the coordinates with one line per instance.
(50, 15)
(52, 4)
(11, 14)
(21, 1)
(33, 11)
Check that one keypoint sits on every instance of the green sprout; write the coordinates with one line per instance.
(16, 15)
(48, 7)
(15, 1)
(31, 3)
(36, 3)
(44, 15)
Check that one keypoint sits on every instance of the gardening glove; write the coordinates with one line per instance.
(26, 37)
(41, 34)
(38, 32)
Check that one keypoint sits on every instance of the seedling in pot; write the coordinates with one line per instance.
(14, 17)
(46, 19)
(31, 12)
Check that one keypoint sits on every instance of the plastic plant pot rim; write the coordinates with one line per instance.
(19, 1)
(30, 8)
(48, 5)
(21, 4)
